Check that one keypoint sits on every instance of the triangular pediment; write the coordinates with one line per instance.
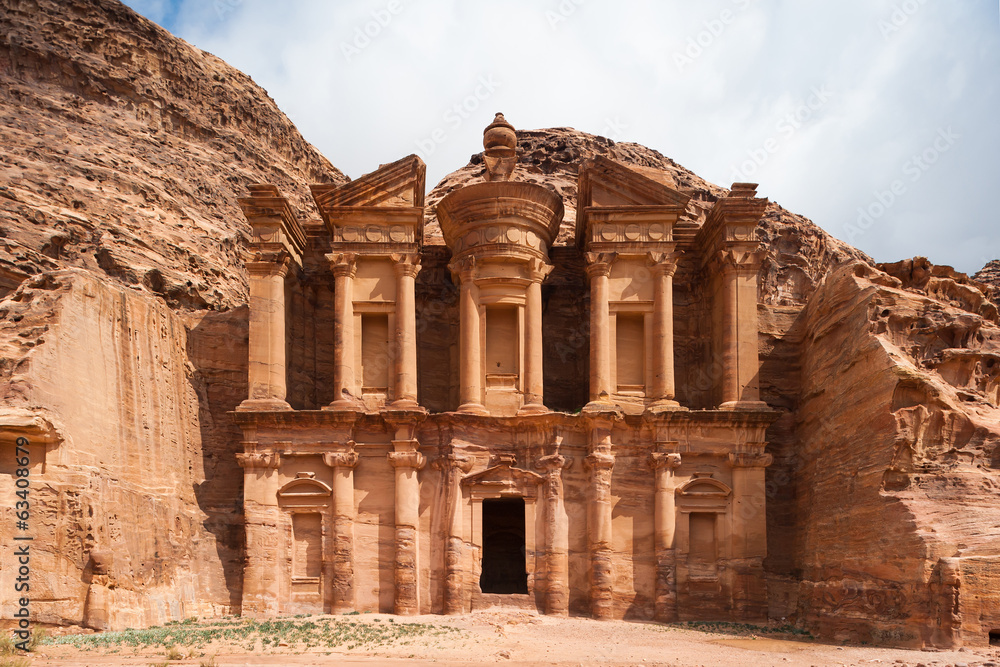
(606, 183)
(503, 475)
(396, 185)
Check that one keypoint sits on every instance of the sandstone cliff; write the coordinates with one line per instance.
(124, 149)
(123, 345)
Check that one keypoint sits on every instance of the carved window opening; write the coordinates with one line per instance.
(501, 344)
(703, 551)
(307, 545)
(504, 569)
(375, 360)
(630, 353)
(994, 637)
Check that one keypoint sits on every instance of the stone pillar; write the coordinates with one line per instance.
(600, 464)
(267, 333)
(664, 525)
(407, 461)
(533, 351)
(749, 534)
(471, 366)
(261, 581)
(556, 535)
(455, 467)
(598, 270)
(407, 267)
(740, 362)
(342, 580)
(344, 267)
(663, 391)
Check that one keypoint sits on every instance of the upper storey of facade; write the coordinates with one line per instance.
(502, 322)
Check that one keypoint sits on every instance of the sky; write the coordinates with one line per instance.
(877, 119)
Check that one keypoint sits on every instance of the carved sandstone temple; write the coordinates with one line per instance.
(502, 419)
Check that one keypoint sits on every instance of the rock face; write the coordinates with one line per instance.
(123, 147)
(119, 237)
(123, 344)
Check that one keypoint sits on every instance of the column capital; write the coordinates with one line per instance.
(258, 460)
(663, 263)
(406, 264)
(743, 261)
(407, 459)
(599, 263)
(599, 461)
(538, 270)
(750, 455)
(341, 459)
(266, 264)
(464, 268)
(343, 263)
(455, 462)
(553, 464)
(665, 460)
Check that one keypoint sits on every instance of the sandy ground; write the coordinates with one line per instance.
(523, 638)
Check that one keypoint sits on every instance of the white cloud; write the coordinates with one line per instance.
(899, 71)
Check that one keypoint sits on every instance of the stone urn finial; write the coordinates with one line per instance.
(500, 156)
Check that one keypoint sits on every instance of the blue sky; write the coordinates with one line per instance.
(874, 118)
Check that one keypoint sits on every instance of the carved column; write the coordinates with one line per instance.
(598, 270)
(407, 266)
(664, 524)
(533, 372)
(663, 390)
(455, 466)
(749, 539)
(344, 267)
(740, 363)
(600, 463)
(407, 461)
(342, 584)
(556, 535)
(267, 333)
(261, 581)
(471, 366)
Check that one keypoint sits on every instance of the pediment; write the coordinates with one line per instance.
(505, 479)
(606, 183)
(399, 184)
(304, 489)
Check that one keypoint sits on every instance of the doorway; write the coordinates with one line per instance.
(503, 547)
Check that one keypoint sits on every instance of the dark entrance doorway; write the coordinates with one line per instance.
(503, 547)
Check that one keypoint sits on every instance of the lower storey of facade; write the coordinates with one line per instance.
(658, 516)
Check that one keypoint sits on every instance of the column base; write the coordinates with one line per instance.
(664, 405)
(473, 409)
(532, 409)
(345, 405)
(758, 406)
(600, 406)
(405, 405)
(264, 405)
